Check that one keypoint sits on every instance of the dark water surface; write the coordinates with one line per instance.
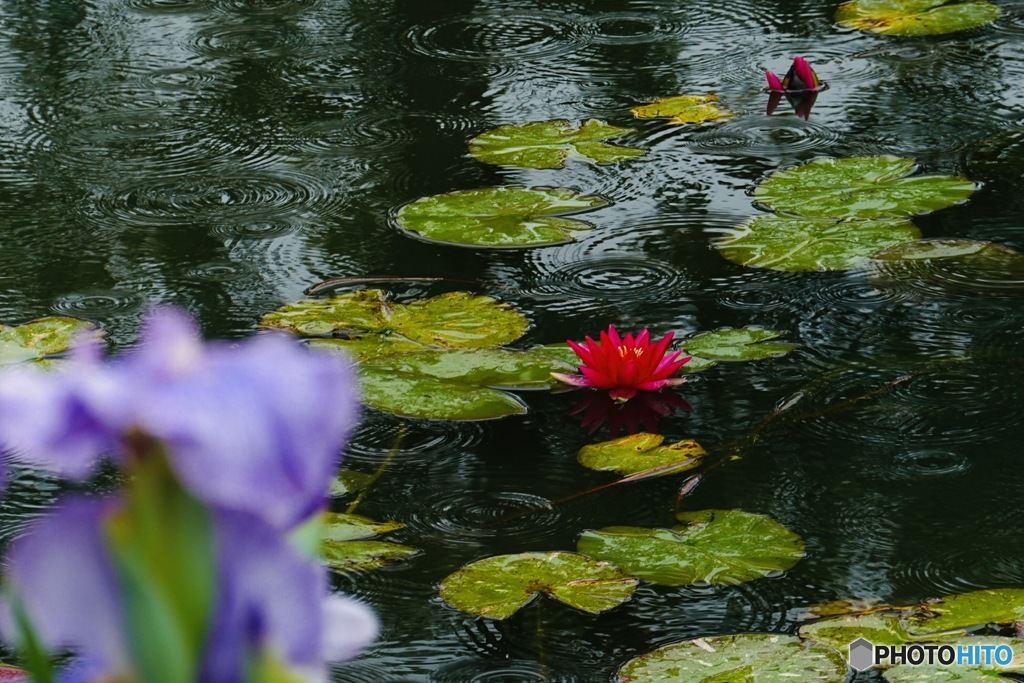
(225, 155)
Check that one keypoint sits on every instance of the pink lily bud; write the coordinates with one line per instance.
(801, 76)
(774, 83)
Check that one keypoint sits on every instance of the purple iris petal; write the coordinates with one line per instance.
(257, 427)
(272, 600)
(62, 574)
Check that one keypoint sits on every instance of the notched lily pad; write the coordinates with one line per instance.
(42, 337)
(454, 320)
(719, 547)
(358, 556)
(341, 526)
(861, 188)
(456, 384)
(683, 109)
(641, 452)
(349, 481)
(733, 344)
(968, 610)
(497, 587)
(744, 658)
(499, 216)
(547, 144)
(915, 17)
(812, 244)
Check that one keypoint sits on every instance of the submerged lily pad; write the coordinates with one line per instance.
(966, 610)
(732, 344)
(915, 17)
(499, 216)
(964, 673)
(454, 319)
(744, 658)
(497, 587)
(812, 244)
(860, 187)
(42, 337)
(714, 546)
(639, 453)
(547, 144)
(683, 109)
(456, 384)
(976, 251)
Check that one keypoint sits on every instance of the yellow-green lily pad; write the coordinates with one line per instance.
(499, 216)
(497, 587)
(916, 17)
(839, 632)
(42, 337)
(743, 658)
(641, 452)
(967, 610)
(719, 547)
(860, 187)
(798, 244)
(357, 556)
(736, 344)
(454, 319)
(456, 384)
(547, 144)
(341, 526)
(349, 481)
(683, 109)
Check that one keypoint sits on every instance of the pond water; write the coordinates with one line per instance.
(226, 155)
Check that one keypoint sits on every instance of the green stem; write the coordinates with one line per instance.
(395, 447)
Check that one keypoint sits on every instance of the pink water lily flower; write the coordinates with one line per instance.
(625, 366)
(800, 78)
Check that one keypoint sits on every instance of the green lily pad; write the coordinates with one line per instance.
(42, 337)
(812, 244)
(915, 17)
(839, 632)
(966, 610)
(731, 344)
(357, 556)
(368, 347)
(715, 546)
(965, 673)
(697, 364)
(683, 109)
(340, 526)
(499, 216)
(349, 481)
(744, 658)
(860, 187)
(456, 384)
(639, 453)
(497, 587)
(978, 253)
(454, 319)
(547, 144)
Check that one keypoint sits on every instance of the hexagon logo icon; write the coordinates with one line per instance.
(862, 654)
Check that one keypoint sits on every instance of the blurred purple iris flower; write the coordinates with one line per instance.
(269, 600)
(256, 427)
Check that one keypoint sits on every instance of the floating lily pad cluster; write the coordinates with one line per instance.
(710, 547)
(345, 546)
(511, 216)
(835, 214)
(818, 652)
(916, 17)
(438, 358)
